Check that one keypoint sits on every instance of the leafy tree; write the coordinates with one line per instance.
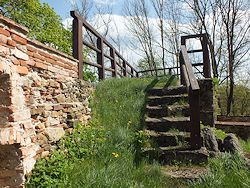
(44, 24)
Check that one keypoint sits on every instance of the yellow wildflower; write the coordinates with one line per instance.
(115, 155)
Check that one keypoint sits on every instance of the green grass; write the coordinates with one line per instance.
(105, 153)
(227, 171)
(245, 145)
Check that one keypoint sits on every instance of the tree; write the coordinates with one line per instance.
(44, 24)
(227, 24)
(138, 25)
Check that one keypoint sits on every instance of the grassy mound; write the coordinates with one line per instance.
(105, 153)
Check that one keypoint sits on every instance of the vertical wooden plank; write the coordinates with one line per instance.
(124, 65)
(206, 59)
(100, 59)
(181, 69)
(137, 74)
(113, 62)
(78, 41)
(132, 72)
(194, 103)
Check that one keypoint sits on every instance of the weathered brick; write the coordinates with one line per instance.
(31, 63)
(4, 32)
(36, 55)
(41, 66)
(19, 54)
(11, 43)
(3, 39)
(31, 54)
(31, 48)
(4, 51)
(44, 54)
(19, 39)
(15, 62)
(22, 70)
(49, 60)
(23, 63)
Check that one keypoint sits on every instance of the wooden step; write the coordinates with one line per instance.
(166, 155)
(167, 123)
(167, 99)
(172, 90)
(164, 139)
(170, 110)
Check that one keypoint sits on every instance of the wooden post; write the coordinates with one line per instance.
(132, 72)
(113, 62)
(181, 69)
(124, 68)
(194, 103)
(206, 60)
(100, 59)
(77, 41)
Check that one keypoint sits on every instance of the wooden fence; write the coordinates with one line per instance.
(119, 67)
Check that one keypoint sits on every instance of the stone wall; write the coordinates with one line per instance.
(40, 99)
(207, 101)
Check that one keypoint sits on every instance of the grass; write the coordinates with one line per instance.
(106, 152)
(227, 171)
(245, 145)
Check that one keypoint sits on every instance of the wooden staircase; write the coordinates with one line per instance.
(168, 125)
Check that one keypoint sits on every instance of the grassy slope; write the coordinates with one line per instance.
(104, 153)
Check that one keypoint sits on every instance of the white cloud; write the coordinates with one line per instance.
(105, 2)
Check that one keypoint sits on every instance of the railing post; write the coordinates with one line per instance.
(132, 72)
(181, 69)
(113, 62)
(137, 74)
(194, 103)
(78, 41)
(100, 59)
(206, 60)
(124, 68)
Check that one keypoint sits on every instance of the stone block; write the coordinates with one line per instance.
(54, 133)
(19, 54)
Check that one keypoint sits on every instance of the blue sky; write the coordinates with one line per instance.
(63, 7)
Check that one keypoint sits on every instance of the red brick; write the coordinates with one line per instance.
(16, 62)
(31, 63)
(44, 54)
(50, 60)
(19, 39)
(30, 53)
(22, 70)
(31, 49)
(3, 39)
(4, 32)
(39, 56)
(41, 65)
(11, 43)
(23, 63)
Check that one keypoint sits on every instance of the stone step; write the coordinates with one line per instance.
(164, 139)
(167, 123)
(166, 155)
(170, 110)
(167, 99)
(172, 90)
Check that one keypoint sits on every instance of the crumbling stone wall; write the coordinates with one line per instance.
(40, 99)
(207, 101)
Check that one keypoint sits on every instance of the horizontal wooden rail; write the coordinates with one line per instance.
(78, 42)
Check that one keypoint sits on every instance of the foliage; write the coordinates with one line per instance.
(226, 171)
(245, 145)
(102, 154)
(241, 104)
(44, 24)
(89, 75)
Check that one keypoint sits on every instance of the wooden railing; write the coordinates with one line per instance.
(189, 80)
(119, 66)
